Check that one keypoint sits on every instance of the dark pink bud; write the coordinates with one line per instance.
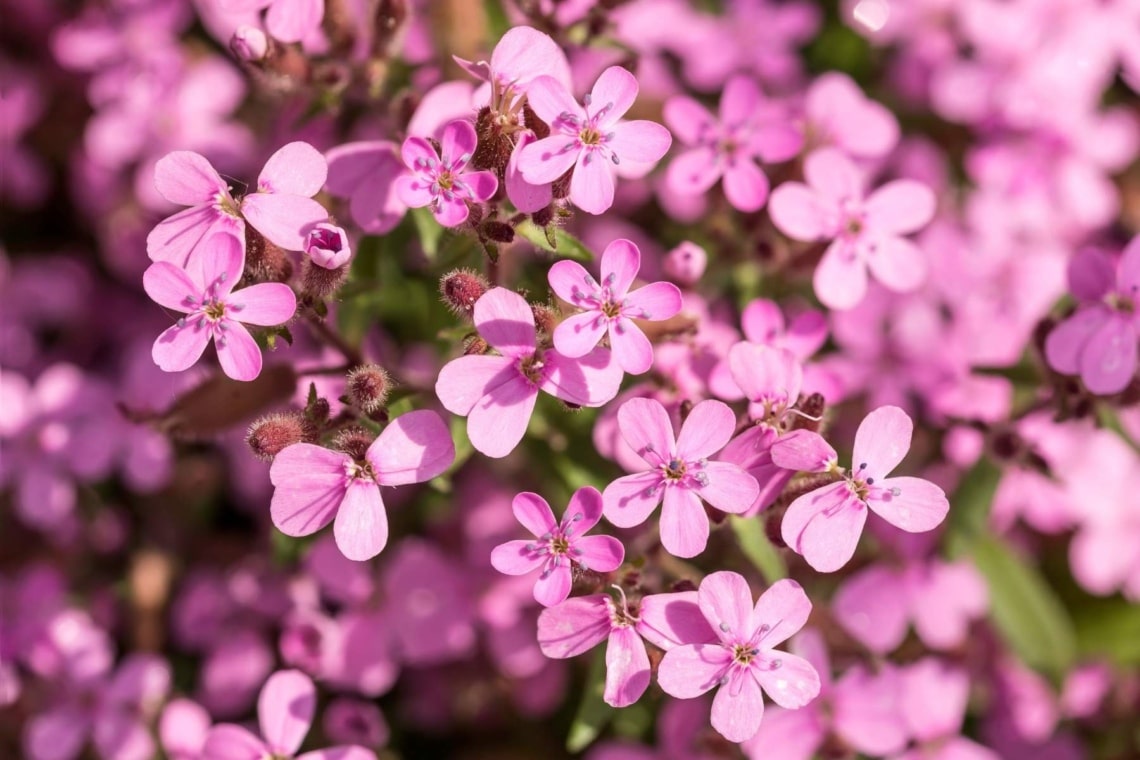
(354, 441)
(327, 245)
(368, 387)
(460, 289)
(686, 263)
(270, 434)
(249, 44)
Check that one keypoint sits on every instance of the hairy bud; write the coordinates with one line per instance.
(543, 216)
(459, 289)
(320, 283)
(500, 232)
(368, 387)
(493, 151)
(274, 432)
(353, 441)
(264, 261)
(473, 345)
(545, 317)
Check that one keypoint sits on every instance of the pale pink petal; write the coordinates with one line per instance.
(706, 430)
(866, 711)
(218, 263)
(803, 451)
(590, 380)
(182, 728)
(574, 626)
(614, 91)
(900, 207)
(739, 101)
(482, 184)
(283, 219)
(545, 160)
(267, 303)
(577, 335)
(310, 484)
(524, 53)
(642, 142)
(498, 421)
(726, 602)
(693, 172)
(458, 140)
(418, 151)
(788, 735)
(504, 319)
(840, 280)
(176, 237)
(950, 596)
(238, 353)
(627, 668)
(729, 488)
(285, 710)
(549, 98)
(763, 372)
(833, 175)
(671, 620)
(871, 606)
(229, 742)
(533, 513)
(691, 670)
(762, 321)
(1128, 272)
(792, 685)
(584, 510)
(361, 525)
(631, 349)
(294, 20)
(800, 213)
(687, 119)
(413, 448)
(295, 169)
(655, 301)
(517, 557)
(745, 186)
(463, 381)
(525, 196)
(414, 190)
(646, 427)
(776, 142)
(353, 165)
(881, 442)
(631, 499)
(187, 179)
(912, 504)
(170, 286)
(1108, 362)
(684, 524)
(553, 585)
(1066, 343)
(178, 348)
(598, 553)
(824, 526)
(450, 213)
(897, 263)
(592, 184)
(806, 334)
(570, 281)
(621, 262)
(738, 707)
(783, 608)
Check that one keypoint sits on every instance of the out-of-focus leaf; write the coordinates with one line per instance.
(759, 550)
(428, 230)
(564, 244)
(497, 22)
(593, 713)
(1109, 628)
(220, 403)
(970, 503)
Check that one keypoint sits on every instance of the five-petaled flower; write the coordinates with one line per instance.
(440, 180)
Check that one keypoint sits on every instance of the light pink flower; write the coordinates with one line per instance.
(934, 699)
(314, 485)
(681, 473)
(742, 661)
(610, 308)
(203, 291)
(865, 232)
(838, 113)
(281, 208)
(560, 545)
(287, 20)
(497, 394)
(182, 729)
(591, 139)
(285, 711)
(763, 322)
(440, 180)
(824, 525)
(1099, 341)
(365, 173)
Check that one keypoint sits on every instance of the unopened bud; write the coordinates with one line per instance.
(320, 283)
(368, 387)
(460, 289)
(272, 433)
(249, 44)
(353, 441)
(264, 261)
(327, 245)
(473, 345)
(686, 263)
(493, 150)
(500, 232)
(545, 318)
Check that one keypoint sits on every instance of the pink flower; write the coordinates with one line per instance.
(202, 291)
(182, 729)
(824, 525)
(933, 699)
(865, 232)
(285, 711)
(1099, 341)
(748, 130)
(327, 246)
(610, 308)
(743, 660)
(680, 473)
(559, 545)
(592, 139)
(582, 622)
(287, 20)
(365, 173)
(838, 113)
(314, 485)
(497, 393)
(282, 208)
(439, 180)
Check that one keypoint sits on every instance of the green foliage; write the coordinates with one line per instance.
(555, 240)
(759, 550)
(593, 713)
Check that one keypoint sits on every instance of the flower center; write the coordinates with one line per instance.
(214, 310)
(590, 136)
(445, 180)
(559, 544)
(532, 368)
(743, 654)
(675, 469)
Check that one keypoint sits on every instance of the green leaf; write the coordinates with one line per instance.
(756, 546)
(593, 713)
(559, 241)
(970, 504)
(428, 230)
(1109, 628)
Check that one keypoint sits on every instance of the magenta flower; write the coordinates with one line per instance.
(742, 661)
(287, 20)
(610, 308)
(824, 525)
(327, 246)
(748, 130)
(497, 394)
(591, 139)
(314, 485)
(282, 208)
(1099, 341)
(865, 232)
(681, 473)
(559, 546)
(285, 711)
(203, 291)
(580, 623)
(439, 180)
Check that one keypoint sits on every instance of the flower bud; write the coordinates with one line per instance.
(686, 263)
(272, 433)
(249, 44)
(368, 387)
(320, 283)
(500, 232)
(327, 245)
(460, 289)
(545, 318)
(353, 441)
(543, 216)
(473, 345)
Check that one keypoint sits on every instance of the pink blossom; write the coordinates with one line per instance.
(182, 729)
(742, 661)
(281, 208)
(327, 246)
(287, 20)
(1099, 341)
(203, 291)
(440, 180)
(560, 545)
(429, 594)
(498, 393)
(686, 263)
(314, 485)
(365, 173)
(763, 322)
(591, 139)
(681, 473)
(838, 113)
(748, 130)
(610, 308)
(865, 231)
(824, 525)
(934, 697)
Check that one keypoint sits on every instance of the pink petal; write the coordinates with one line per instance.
(450, 213)
(826, 541)
(574, 626)
(800, 213)
(592, 184)
(693, 172)
(414, 448)
(706, 430)
(285, 710)
(729, 488)
(788, 735)
(793, 684)
(1066, 343)
(784, 608)
(900, 207)
(871, 606)
(182, 728)
(762, 321)
(458, 140)
(577, 335)
(646, 427)
(943, 606)
(361, 525)
(1128, 276)
(598, 553)
(671, 620)
(871, 130)
(217, 262)
(684, 524)
(726, 602)
(498, 421)
(570, 281)
(621, 262)
(738, 707)
(763, 372)
(267, 303)
(525, 196)
(866, 711)
(584, 510)
(482, 184)
(627, 668)
(631, 349)
(897, 263)
(545, 160)
(517, 557)
(504, 319)
(238, 353)
(229, 742)
(745, 186)
(549, 98)
(639, 141)
(57, 734)
(656, 301)
(806, 334)
(630, 500)
(881, 442)
(840, 280)
(284, 219)
(615, 90)
(178, 348)
(353, 165)
(347, 752)
(691, 670)
(187, 179)
(803, 451)
(463, 381)
(553, 585)
(833, 175)
(294, 20)
(176, 237)
(534, 513)
(687, 119)
(524, 53)
(590, 380)
(169, 286)
(310, 485)
(776, 142)
(739, 101)
(912, 504)
(295, 169)
(1108, 362)
(417, 150)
